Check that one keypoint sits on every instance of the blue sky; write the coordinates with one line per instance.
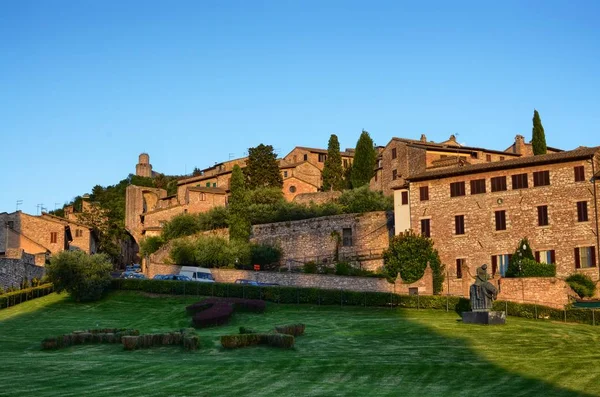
(85, 86)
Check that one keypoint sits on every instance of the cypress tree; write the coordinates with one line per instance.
(538, 139)
(262, 168)
(239, 223)
(333, 174)
(365, 156)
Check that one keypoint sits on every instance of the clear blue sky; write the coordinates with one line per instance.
(85, 86)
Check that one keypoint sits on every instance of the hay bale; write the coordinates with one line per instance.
(130, 342)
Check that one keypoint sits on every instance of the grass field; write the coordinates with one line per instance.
(346, 351)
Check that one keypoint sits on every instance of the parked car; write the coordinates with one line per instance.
(174, 277)
(255, 283)
(158, 277)
(133, 268)
(200, 274)
(130, 274)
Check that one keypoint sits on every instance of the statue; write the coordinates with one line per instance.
(482, 292)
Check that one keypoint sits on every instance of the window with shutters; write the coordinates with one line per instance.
(53, 237)
(547, 256)
(488, 158)
(347, 237)
(542, 215)
(579, 173)
(404, 196)
(424, 193)
(457, 189)
(498, 183)
(585, 257)
(500, 264)
(541, 178)
(425, 227)
(322, 157)
(394, 174)
(285, 173)
(459, 265)
(394, 154)
(478, 186)
(500, 220)
(519, 181)
(582, 212)
(78, 233)
(459, 224)
(306, 157)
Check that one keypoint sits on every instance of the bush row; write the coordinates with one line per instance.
(298, 295)
(291, 329)
(217, 311)
(23, 295)
(270, 339)
(186, 338)
(113, 335)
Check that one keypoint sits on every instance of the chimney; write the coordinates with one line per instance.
(520, 147)
(452, 138)
(423, 138)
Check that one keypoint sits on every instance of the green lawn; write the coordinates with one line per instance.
(346, 351)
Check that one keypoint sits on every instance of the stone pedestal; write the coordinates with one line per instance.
(488, 318)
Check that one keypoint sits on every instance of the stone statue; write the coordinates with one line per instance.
(482, 293)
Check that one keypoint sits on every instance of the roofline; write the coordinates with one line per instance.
(58, 219)
(460, 149)
(201, 177)
(318, 150)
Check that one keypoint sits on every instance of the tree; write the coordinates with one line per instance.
(197, 171)
(538, 139)
(262, 168)
(365, 157)
(239, 222)
(180, 226)
(84, 276)
(408, 255)
(333, 174)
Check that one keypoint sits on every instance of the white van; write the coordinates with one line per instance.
(200, 274)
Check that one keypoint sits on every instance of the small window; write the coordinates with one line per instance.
(78, 233)
(498, 183)
(478, 186)
(292, 189)
(500, 220)
(582, 212)
(519, 181)
(215, 184)
(207, 184)
(459, 224)
(425, 228)
(306, 157)
(202, 197)
(424, 193)
(404, 198)
(394, 154)
(10, 224)
(345, 163)
(474, 155)
(285, 174)
(500, 264)
(585, 257)
(457, 189)
(347, 237)
(541, 178)
(548, 257)
(53, 237)
(394, 174)
(579, 173)
(542, 215)
(459, 265)
(488, 158)
(322, 157)
(501, 158)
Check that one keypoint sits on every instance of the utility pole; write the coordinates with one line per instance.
(19, 202)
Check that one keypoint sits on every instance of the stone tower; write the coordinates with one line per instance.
(143, 167)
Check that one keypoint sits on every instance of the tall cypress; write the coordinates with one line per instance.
(239, 224)
(538, 139)
(333, 174)
(262, 168)
(365, 156)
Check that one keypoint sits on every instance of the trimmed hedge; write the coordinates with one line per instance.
(186, 337)
(245, 340)
(111, 335)
(291, 329)
(24, 295)
(582, 284)
(217, 311)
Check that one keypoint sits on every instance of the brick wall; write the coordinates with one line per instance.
(18, 268)
(546, 291)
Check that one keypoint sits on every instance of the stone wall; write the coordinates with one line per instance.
(546, 291)
(16, 269)
(317, 198)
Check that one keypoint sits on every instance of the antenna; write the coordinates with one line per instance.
(231, 155)
(19, 202)
(56, 206)
(38, 206)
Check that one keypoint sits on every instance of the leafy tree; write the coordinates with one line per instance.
(197, 171)
(262, 168)
(408, 255)
(365, 157)
(239, 224)
(523, 252)
(150, 245)
(582, 284)
(348, 177)
(211, 251)
(85, 277)
(538, 135)
(267, 256)
(333, 174)
(363, 199)
(180, 226)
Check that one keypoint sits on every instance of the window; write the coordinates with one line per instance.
(500, 264)
(53, 237)
(457, 189)
(285, 174)
(545, 257)
(542, 215)
(582, 212)
(501, 158)
(459, 265)
(488, 157)
(292, 189)
(478, 186)
(215, 184)
(585, 257)
(579, 174)
(425, 228)
(347, 237)
(424, 193)
(519, 181)
(376, 173)
(394, 174)
(78, 233)
(322, 157)
(10, 224)
(306, 157)
(394, 154)
(207, 184)
(202, 197)
(498, 183)
(345, 163)
(500, 220)
(404, 198)
(474, 155)
(459, 224)
(541, 178)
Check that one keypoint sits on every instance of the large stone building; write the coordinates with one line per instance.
(478, 213)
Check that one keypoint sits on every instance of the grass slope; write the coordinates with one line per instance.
(348, 351)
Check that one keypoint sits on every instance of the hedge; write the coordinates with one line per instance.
(112, 335)
(24, 295)
(217, 311)
(186, 337)
(315, 296)
(270, 339)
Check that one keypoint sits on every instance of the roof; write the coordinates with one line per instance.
(168, 197)
(61, 220)
(202, 177)
(317, 150)
(451, 148)
(577, 154)
(301, 180)
(213, 190)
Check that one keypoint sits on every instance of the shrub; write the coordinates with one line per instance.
(246, 330)
(310, 267)
(245, 340)
(217, 311)
(291, 329)
(343, 269)
(582, 284)
(215, 218)
(530, 268)
(180, 226)
(150, 245)
(114, 335)
(19, 296)
(267, 256)
(84, 276)
(522, 254)
(363, 200)
(408, 255)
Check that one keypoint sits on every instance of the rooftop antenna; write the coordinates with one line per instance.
(44, 209)
(19, 202)
(56, 206)
(231, 155)
(38, 206)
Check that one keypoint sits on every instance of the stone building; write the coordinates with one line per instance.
(143, 167)
(478, 213)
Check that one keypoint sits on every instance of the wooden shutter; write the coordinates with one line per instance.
(552, 257)
(577, 260)
(537, 256)
(593, 256)
(494, 264)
